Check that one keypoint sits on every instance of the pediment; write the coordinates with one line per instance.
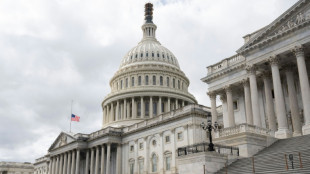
(293, 19)
(62, 139)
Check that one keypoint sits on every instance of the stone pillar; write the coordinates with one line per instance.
(73, 163)
(224, 107)
(77, 163)
(92, 161)
(119, 159)
(69, 163)
(125, 110)
(230, 107)
(87, 162)
(283, 131)
(102, 159)
(97, 161)
(133, 108)
(212, 97)
(254, 96)
(169, 106)
(60, 163)
(183, 103)
(269, 102)
(57, 163)
(117, 111)
(50, 166)
(304, 85)
(159, 106)
(128, 110)
(173, 155)
(103, 116)
(142, 108)
(108, 114)
(293, 102)
(112, 112)
(151, 107)
(176, 104)
(247, 101)
(108, 157)
(64, 171)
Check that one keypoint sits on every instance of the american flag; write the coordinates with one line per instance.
(75, 118)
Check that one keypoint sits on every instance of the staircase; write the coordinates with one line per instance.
(271, 160)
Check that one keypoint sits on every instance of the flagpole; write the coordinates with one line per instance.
(71, 115)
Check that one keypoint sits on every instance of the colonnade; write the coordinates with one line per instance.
(140, 107)
(251, 98)
(97, 161)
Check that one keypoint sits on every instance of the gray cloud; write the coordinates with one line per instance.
(53, 52)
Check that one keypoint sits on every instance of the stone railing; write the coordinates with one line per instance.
(165, 116)
(108, 130)
(42, 159)
(241, 129)
(225, 63)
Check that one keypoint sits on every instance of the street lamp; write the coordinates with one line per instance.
(209, 128)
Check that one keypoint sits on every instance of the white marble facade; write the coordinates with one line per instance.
(266, 84)
(16, 168)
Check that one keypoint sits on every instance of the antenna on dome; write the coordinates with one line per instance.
(148, 13)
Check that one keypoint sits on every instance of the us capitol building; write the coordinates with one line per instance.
(151, 122)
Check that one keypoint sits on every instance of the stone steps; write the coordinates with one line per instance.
(271, 160)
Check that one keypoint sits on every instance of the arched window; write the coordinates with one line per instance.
(126, 82)
(163, 55)
(173, 83)
(141, 165)
(121, 84)
(167, 157)
(146, 80)
(154, 80)
(178, 84)
(154, 163)
(132, 81)
(136, 55)
(157, 54)
(139, 80)
(147, 54)
(168, 81)
(131, 166)
(161, 81)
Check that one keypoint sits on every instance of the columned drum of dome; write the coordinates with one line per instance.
(149, 82)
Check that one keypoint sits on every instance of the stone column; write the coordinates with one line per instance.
(50, 166)
(133, 108)
(73, 163)
(128, 110)
(183, 103)
(92, 161)
(283, 131)
(117, 111)
(142, 108)
(173, 155)
(293, 101)
(108, 157)
(112, 112)
(125, 110)
(77, 163)
(160, 106)
(247, 101)
(151, 107)
(254, 96)
(102, 159)
(224, 107)
(69, 163)
(108, 114)
(97, 161)
(304, 85)
(119, 159)
(103, 116)
(57, 164)
(212, 97)
(169, 106)
(230, 107)
(64, 171)
(269, 102)
(176, 104)
(87, 162)
(60, 163)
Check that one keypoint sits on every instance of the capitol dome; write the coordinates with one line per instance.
(149, 82)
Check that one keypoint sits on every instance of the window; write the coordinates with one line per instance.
(141, 166)
(161, 81)
(146, 80)
(136, 55)
(141, 54)
(147, 109)
(180, 136)
(154, 108)
(147, 54)
(154, 142)
(272, 93)
(132, 148)
(131, 166)
(168, 81)
(235, 105)
(121, 84)
(154, 80)
(167, 139)
(152, 54)
(141, 146)
(178, 84)
(139, 80)
(139, 109)
(173, 83)
(163, 55)
(154, 163)
(126, 82)
(157, 54)
(132, 81)
(168, 162)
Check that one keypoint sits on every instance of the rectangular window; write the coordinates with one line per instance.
(139, 109)
(154, 109)
(173, 83)
(139, 80)
(146, 80)
(180, 136)
(168, 81)
(131, 148)
(167, 139)
(140, 146)
(131, 168)
(161, 81)
(168, 163)
(178, 84)
(141, 166)
(121, 84)
(154, 80)
(147, 109)
(132, 81)
(235, 105)
(126, 82)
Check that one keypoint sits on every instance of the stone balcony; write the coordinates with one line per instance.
(226, 63)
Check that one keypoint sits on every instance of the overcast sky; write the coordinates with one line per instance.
(55, 51)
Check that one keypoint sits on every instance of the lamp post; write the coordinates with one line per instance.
(209, 128)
